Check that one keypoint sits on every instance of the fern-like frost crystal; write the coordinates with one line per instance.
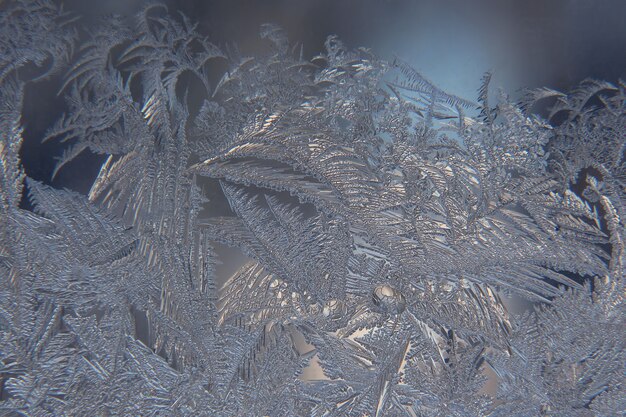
(403, 258)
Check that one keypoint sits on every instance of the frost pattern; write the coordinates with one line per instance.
(387, 233)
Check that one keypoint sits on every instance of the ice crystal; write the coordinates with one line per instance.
(388, 232)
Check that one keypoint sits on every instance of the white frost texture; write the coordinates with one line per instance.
(402, 257)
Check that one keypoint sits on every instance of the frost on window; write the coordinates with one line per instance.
(387, 234)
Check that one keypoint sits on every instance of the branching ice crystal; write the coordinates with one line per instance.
(387, 232)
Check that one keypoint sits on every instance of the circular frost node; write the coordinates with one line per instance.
(335, 309)
(388, 299)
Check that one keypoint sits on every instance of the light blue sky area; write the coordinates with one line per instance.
(525, 44)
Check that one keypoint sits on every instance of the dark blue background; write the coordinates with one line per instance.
(526, 43)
